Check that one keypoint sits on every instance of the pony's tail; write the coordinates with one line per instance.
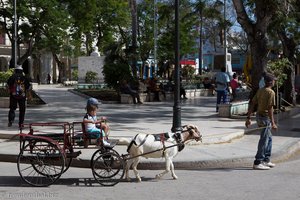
(124, 141)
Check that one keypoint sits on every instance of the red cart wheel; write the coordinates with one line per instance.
(40, 163)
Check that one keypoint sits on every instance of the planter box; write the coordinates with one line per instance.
(190, 93)
(234, 108)
(127, 98)
(143, 97)
(4, 102)
(35, 86)
(150, 97)
(169, 96)
(197, 92)
(70, 83)
(206, 92)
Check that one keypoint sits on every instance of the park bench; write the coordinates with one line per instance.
(233, 108)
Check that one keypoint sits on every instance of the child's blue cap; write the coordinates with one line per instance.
(93, 101)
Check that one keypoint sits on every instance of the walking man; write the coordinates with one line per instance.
(18, 86)
(264, 100)
(222, 83)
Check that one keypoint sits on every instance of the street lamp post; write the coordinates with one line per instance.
(155, 37)
(15, 37)
(177, 108)
(225, 38)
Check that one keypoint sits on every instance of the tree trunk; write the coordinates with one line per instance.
(200, 53)
(60, 66)
(289, 49)
(133, 9)
(258, 48)
(27, 53)
(256, 35)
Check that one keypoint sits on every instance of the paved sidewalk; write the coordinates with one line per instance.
(225, 143)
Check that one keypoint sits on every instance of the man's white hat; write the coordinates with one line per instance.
(19, 67)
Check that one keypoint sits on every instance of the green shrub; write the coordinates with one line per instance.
(4, 92)
(277, 68)
(114, 73)
(188, 71)
(90, 77)
(5, 75)
(75, 74)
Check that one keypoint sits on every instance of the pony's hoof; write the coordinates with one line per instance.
(175, 177)
(139, 180)
(157, 176)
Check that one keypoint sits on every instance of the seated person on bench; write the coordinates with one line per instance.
(93, 126)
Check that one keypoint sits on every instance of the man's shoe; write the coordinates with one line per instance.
(9, 124)
(269, 164)
(261, 166)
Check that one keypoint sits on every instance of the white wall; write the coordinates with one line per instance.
(90, 63)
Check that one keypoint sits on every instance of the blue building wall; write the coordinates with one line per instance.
(238, 61)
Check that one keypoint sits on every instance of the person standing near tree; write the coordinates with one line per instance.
(234, 84)
(18, 86)
(264, 100)
(48, 78)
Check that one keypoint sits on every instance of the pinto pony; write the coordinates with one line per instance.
(165, 145)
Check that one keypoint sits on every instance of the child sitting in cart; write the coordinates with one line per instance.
(94, 127)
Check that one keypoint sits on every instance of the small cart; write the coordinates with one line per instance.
(47, 150)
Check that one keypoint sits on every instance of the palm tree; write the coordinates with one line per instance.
(203, 11)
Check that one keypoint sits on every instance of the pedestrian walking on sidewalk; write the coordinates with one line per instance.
(222, 86)
(18, 86)
(264, 100)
